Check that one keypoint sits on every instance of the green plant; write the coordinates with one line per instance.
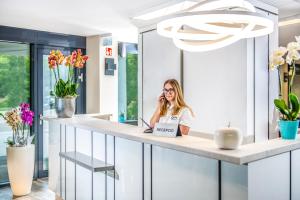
(289, 112)
(14, 80)
(65, 89)
(132, 110)
(9, 142)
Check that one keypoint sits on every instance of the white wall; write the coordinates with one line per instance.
(102, 90)
(287, 33)
(109, 84)
(215, 87)
(93, 75)
(161, 61)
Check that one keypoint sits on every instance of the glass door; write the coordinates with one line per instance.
(14, 89)
(46, 102)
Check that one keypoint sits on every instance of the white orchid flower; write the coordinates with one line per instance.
(292, 46)
(275, 61)
(292, 56)
(281, 51)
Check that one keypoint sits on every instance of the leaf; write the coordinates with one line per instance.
(294, 116)
(282, 107)
(63, 89)
(294, 103)
(280, 103)
(10, 141)
(31, 139)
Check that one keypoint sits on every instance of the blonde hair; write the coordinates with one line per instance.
(179, 102)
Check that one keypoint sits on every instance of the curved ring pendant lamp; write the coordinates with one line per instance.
(214, 24)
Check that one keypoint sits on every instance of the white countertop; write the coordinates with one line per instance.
(189, 144)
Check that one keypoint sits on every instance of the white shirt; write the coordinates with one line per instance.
(184, 117)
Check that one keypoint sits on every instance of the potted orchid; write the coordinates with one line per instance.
(20, 151)
(289, 109)
(286, 56)
(65, 91)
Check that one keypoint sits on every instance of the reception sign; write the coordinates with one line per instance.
(165, 129)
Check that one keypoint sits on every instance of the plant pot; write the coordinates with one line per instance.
(288, 129)
(20, 165)
(65, 107)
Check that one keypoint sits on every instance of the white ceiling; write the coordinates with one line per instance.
(92, 17)
(287, 8)
(85, 17)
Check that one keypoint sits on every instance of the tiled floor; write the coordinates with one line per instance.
(39, 191)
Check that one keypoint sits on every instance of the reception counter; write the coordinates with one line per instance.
(92, 158)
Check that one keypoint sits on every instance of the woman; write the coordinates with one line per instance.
(171, 107)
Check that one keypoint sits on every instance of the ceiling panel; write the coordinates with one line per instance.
(287, 8)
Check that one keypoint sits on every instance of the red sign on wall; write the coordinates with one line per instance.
(108, 51)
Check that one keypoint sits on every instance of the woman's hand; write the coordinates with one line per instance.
(184, 129)
(156, 115)
(161, 99)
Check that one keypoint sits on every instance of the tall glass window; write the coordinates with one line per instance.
(128, 83)
(131, 86)
(14, 89)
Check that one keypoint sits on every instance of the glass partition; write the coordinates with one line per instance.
(14, 89)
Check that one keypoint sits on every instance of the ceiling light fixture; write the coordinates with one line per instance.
(289, 22)
(214, 24)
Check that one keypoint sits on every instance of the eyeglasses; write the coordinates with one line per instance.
(170, 91)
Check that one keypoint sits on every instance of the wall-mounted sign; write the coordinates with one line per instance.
(110, 66)
(107, 41)
(108, 51)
